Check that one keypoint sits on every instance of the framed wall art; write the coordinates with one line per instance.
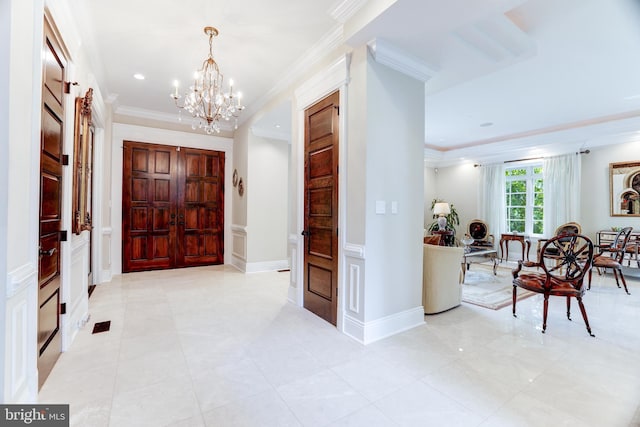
(624, 188)
(82, 164)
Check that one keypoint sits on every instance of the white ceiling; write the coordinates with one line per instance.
(509, 77)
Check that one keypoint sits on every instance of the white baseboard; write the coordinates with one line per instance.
(239, 263)
(257, 267)
(368, 332)
(292, 295)
(105, 276)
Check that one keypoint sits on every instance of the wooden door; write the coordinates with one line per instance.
(173, 207)
(200, 230)
(149, 197)
(321, 208)
(51, 189)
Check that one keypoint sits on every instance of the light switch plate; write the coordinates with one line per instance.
(394, 207)
(381, 207)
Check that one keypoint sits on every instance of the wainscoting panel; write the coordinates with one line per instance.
(105, 262)
(239, 251)
(21, 380)
(353, 281)
(294, 293)
(353, 288)
(18, 321)
(77, 297)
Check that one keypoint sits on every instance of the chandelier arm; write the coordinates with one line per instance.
(206, 100)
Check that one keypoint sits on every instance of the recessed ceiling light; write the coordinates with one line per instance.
(277, 126)
(486, 124)
(138, 76)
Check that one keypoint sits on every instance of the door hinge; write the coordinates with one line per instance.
(337, 107)
(67, 86)
(63, 235)
(63, 308)
(336, 231)
(65, 160)
(336, 291)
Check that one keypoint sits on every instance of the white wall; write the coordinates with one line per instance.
(595, 188)
(18, 300)
(430, 193)
(394, 147)
(457, 185)
(5, 53)
(266, 190)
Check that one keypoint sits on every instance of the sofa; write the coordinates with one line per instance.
(441, 278)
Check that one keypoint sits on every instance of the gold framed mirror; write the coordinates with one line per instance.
(624, 188)
(82, 163)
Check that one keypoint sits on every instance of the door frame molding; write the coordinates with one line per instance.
(122, 132)
(334, 77)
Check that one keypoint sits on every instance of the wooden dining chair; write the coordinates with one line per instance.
(565, 260)
(567, 228)
(611, 256)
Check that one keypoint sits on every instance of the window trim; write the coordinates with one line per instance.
(530, 177)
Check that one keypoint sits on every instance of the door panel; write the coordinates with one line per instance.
(173, 209)
(321, 208)
(200, 231)
(149, 194)
(50, 218)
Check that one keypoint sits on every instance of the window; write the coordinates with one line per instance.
(524, 200)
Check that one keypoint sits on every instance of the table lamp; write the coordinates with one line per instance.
(441, 209)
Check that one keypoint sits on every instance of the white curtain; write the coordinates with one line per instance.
(561, 191)
(491, 198)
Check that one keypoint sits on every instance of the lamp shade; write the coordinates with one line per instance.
(441, 209)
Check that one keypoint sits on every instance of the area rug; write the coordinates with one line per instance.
(481, 287)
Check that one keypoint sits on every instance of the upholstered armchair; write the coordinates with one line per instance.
(441, 278)
(479, 232)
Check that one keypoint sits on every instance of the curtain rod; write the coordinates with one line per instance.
(533, 158)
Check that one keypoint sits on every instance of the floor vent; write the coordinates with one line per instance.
(101, 327)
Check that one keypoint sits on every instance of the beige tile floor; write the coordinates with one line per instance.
(211, 346)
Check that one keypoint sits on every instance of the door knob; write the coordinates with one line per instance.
(47, 253)
(305, 233)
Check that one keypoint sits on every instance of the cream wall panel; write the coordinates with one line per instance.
(266, 188)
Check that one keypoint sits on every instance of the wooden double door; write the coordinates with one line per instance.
(172, 207)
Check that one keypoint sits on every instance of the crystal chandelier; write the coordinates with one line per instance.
(206, 100)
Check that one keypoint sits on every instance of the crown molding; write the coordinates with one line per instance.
(333, 39)
(386, 53)
(345, 9)
(162, 117)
